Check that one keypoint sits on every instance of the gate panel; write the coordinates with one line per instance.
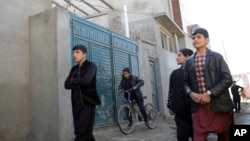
(91, 31)
(102, 57)
(125, 52)
(121, 62)
(134, 65)
(111, 53)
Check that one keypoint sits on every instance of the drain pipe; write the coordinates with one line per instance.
(126, 21)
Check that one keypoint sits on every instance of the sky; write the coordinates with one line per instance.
(228, 24)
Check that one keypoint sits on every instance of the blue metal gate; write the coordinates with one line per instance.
(111, 53)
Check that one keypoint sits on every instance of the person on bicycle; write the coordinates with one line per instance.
(130, 81)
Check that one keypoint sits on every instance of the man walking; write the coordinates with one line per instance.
(82, 83)
(235, 89)
(178, 104)
(207, 79)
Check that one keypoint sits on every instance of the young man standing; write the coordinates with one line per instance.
(235, 89)
(82, 83)
(130, 81)
(207, 79)
(178, 103)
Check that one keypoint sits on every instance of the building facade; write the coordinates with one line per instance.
(35, 59)
(159, 35)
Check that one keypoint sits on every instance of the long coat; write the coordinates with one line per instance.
(84, 83)
(178, 102)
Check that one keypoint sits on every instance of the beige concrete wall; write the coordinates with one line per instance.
(144, 69)
(136, 9)
(142, 8)
(15, 106)
(145, 28)
(166, 64)
(50, 64)
(186, 42)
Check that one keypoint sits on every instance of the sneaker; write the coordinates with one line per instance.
(146, 123)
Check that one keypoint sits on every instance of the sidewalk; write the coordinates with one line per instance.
(165, 131)
(244, 116)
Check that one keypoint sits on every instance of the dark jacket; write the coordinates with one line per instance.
(134, 81)
(84, 83)
(177, 99)
(217, 78)
(235, 91)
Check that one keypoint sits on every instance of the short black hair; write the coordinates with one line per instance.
(186, 52)
(202, 31)
(80, 47)
(126, 69)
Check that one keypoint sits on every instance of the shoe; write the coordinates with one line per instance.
(146, 123)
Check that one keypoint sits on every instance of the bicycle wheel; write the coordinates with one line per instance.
(125, 119)
(152, 115)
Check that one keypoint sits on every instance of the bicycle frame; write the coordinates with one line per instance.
(126, 121)
(131, 103)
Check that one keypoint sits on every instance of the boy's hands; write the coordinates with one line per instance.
(200, 98)
(205, 98)
(195, 97)
(134, 88)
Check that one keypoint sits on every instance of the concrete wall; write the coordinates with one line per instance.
(166, 64)
(186, 42)
(137, 10)
(15, 106)
(50, 64)
(140, 8)
(144, 69)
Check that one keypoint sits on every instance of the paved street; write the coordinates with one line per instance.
(165, 131)
(244, 116)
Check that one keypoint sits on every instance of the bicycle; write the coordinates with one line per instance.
(126, 115)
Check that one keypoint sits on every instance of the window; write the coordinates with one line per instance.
(167, 42)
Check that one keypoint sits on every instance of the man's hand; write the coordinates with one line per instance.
(205, 98)
(195, 97)
(171, 112)
(134, 88)
(119, 91)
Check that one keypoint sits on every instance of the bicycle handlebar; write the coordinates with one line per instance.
(125, 91)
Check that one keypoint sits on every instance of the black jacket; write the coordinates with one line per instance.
(134, 81)
(84, 83)
(177, 99)
(217, 78)
(235, 91)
